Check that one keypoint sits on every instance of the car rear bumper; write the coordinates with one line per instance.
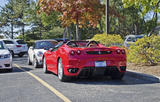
(93, 71)
(20, 52)
(87, 66)
(5, 63)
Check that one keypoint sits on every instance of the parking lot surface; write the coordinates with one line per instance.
(20, 86)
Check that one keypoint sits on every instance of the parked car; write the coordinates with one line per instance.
(16, 46)
(5, 57)
(131, 39)
(36, 51)
(84, 59)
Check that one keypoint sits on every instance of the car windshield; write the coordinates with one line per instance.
(134, 39)
(1, 45)
(20, 42)
(45, 44)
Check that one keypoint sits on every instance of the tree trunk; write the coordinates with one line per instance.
(101, 28)
(69, 33)
(23, 30)
(77, 29)
(12, 30)
(64, 34)
(40, 32)
(107, 16)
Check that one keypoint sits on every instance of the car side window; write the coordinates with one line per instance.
(1, 45)
(129, 39)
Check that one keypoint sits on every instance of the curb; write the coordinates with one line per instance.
(143, 76)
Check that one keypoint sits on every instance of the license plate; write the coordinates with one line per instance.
(100, 64)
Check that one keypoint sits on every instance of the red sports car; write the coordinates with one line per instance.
(84, 58)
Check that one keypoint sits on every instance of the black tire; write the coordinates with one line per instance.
(117, 76)
(44, 66)
(10, 70)
(61, 75)
(35, 63)
(12, 53)
(29, 61)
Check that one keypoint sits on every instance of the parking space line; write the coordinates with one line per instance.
(52, 89)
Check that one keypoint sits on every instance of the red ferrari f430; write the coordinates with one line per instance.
(84, 59)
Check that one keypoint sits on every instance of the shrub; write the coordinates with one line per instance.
(108, 39)
(145, 51)
(30, 43)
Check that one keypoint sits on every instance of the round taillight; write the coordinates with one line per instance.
(118, 51)
(72, 52)
(123, 51)
(78, 52)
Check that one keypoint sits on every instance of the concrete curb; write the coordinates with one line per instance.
(143, 76)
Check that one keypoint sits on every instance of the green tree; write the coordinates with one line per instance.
(144, 5)
(77, 12)
(12, 14)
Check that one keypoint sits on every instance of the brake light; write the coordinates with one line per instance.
(78, 52)
(72, 52)
(123, 51)
(18, 45)
(118, 51)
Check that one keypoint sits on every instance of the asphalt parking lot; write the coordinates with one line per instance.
(27, 84)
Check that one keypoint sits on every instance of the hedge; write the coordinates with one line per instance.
(109, 39)
(145, 51)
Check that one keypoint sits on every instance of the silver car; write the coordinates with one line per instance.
(131, 39)
(5, 57)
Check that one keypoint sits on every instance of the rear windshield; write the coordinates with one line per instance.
(20, 42)
(45, 44)
(8, 42)
(1, 45)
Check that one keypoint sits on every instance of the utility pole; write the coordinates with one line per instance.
(107, 16)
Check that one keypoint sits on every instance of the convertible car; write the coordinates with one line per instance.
(84, 59)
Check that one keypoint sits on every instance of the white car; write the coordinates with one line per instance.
(16, 46)
(5, 57)
(35, 52)
(131, 39)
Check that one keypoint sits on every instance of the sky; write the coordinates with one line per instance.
(3, 2)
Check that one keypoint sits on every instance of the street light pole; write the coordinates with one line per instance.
(107, 16)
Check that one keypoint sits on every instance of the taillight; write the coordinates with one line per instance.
(78, 52)
(118, 51)
(123, 51)
(18, 45)
(72, 52)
